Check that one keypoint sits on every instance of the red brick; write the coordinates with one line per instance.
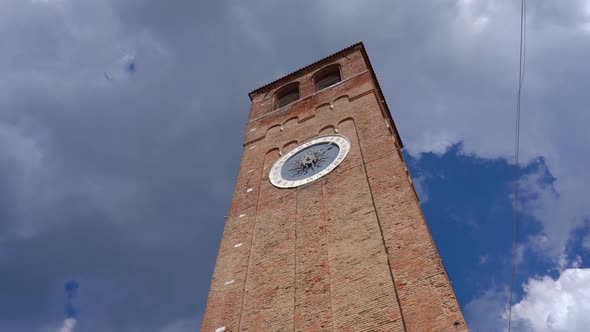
(349, 252)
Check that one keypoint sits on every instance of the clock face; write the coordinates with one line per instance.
(309, 161)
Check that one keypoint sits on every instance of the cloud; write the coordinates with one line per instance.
(560, 212)
(68, 325)
(49, 2)
(485, 313)
(19, 148)
(114, 183)
(420, 185)
(548, 304)
(560, 304)
(481, 116)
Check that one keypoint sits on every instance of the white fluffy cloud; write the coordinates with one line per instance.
(556, 305)
(548, 305)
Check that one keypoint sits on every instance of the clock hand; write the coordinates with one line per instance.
(328, 149)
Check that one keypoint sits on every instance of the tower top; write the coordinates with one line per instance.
(357, 47)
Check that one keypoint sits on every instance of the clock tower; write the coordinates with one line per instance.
(325, 232)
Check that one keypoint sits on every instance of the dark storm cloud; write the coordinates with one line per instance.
(134, 181)
(122, 184)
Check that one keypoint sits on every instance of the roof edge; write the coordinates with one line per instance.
(359, 46)
(300, 70)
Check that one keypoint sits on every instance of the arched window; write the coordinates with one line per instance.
(327, 77)
(287, 95)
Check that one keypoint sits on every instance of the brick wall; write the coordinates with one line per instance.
(349, 252)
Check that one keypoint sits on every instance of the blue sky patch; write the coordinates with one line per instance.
(469, 213)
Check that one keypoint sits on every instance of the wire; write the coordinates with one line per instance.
(521, 68)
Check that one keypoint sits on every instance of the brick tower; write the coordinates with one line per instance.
(325, 232)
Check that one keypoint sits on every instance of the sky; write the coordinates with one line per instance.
(121, 125)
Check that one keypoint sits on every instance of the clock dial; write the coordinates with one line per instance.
(309, 161)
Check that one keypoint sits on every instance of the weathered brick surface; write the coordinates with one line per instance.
(269, 293)
(313, 301)
(349, 252)
(362, 287)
